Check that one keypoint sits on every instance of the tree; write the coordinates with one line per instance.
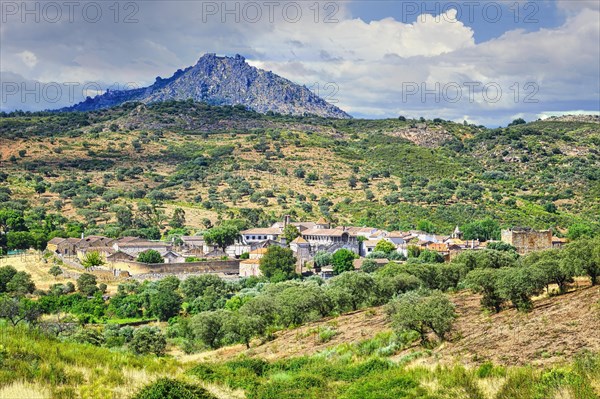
(210, 327)
(426, 226)
(148, 340)
(92, 259)
(585, 255)
(385, 246)
(429, 256)
(165, 303)
(422, 312)
(55, 271)
(19, 240)
(518, 121)
(553, 266)
(196, 286)
(390, 285)
(6, 274)
(17, 310)
(290, 232)
(222, 236)
(413, 251)
(261, 306)
(244, 327)
(485, 282)
(86, 284)
(519, 284)
(351, 290)
(369, 266)
(483, 230)
(501, 246)
(488, 258)
(178, 219)
(278, 263)
(343, 260)
(20, 284)
(322, 259)
(150, 256)
(580, 230)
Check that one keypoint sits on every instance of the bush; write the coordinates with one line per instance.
(167, 388)
(86, 284)
(148, 340)
(150, 256)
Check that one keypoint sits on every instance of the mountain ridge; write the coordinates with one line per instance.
(223, 81)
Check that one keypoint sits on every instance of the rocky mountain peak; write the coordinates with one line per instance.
(224, 81)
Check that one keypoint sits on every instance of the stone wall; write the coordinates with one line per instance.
(527, 240)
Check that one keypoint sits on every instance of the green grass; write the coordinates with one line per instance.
(71, 370)
(378, 378)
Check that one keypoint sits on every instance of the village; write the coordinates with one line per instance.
(194, 255)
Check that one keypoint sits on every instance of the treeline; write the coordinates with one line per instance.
(208, 312)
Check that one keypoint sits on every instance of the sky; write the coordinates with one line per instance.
(486, 62)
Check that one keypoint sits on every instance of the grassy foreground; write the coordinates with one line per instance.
(35, 366)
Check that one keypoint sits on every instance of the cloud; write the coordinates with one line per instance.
(368, 67)
(28, 58)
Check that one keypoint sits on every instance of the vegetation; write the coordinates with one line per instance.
(278, 264)
(153, 175)
(150, 256)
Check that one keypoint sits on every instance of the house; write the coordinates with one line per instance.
(301, 249)
(258, 253)
(250, 267)
(172, 257)
(93, 241)
(193, 244)
(103, 251)
(261, 234)
(134, 247)
(63, 246)
(369, 246)
(119, 256)
(558, 242)
(52, 245)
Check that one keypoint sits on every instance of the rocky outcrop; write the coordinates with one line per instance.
(224, 81)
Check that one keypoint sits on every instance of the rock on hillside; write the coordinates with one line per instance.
(575, 118)
(224, 81)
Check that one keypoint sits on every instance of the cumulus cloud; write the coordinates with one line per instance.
(28, 58)
(368, 68)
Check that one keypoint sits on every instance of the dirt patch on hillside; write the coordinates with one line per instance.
(424, 135)
(554, 331)
(306, 340)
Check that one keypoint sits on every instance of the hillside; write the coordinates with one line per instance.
(553, 333)
(226, 162)
(223, 81)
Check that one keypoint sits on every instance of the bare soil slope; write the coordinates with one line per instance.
(553, 332)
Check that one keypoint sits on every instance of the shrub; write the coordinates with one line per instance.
(148, 340)
(150, 256)
(167, 388)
